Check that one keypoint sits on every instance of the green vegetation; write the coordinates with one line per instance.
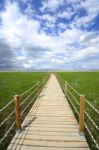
(12, 83)
(86, 83)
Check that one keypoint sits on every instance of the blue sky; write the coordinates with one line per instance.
(49, 35)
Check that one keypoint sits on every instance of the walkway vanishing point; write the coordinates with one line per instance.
(50, 124)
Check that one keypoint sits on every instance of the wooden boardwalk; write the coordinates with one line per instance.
(50, 124)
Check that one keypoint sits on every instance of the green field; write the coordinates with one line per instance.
(12, 83)
(86, 83)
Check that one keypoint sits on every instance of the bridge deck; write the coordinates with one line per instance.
(50, 124)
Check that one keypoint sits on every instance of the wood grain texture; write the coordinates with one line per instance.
(50, 124)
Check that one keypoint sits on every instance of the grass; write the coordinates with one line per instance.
(12, 83)
(86, 83)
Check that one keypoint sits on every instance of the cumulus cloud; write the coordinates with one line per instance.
(35, 41)
(86, 53)
(51, 5)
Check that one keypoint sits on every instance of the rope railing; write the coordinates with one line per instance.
(28, 97)
(73, 105)
(92, 137)
(32, 99)
(73, 89)
(5, 135)
(29, 103)
(2, 109)
(6, 105)
(73, 97)
(7, 118)
(92, 121)
(25, 104)
(96, 110)
(28, 90)
(85, 120)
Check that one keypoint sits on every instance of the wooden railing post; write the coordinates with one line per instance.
(81, 116)
(17, 112)
(38, 82)
(65, 87)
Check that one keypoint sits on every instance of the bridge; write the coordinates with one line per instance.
(50, 124)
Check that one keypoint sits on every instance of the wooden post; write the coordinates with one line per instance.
(65, 87)
(81, 116)
(38, 87)
(17, 112)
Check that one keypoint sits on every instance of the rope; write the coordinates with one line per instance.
(31, 101)
(59, 78)
(92, 107)
(12, 99)
(69, 98)
(60, 82)
(28, 119)
(29, 104)
(74, 97)
(91, 136)
(7, 118)
(29, 95)
(73, 89)
(92, 121)
(28, 90)
(6, 106)
(73, 105)
(7, 132)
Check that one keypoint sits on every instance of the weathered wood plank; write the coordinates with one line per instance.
(25, 147)
(53, 138)
(53, 127)
(51, 143)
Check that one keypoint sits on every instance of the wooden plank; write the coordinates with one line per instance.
(55, 122)
(25, 147)
(53, 127)
(53, 138)
(51, 143)
(73, 134)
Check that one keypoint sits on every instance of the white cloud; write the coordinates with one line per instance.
(47, 17)
(51, 5)
(17, 27)
(86, 53)
(29, 11)
(92, 7)
(62, 26)
(92, 10)
(65, 14)
(33, 48)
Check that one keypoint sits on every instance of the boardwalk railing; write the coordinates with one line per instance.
(87, 115)
(19, 106)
